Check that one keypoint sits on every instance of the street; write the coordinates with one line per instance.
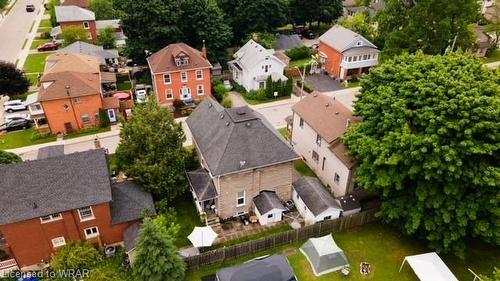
(15, 27)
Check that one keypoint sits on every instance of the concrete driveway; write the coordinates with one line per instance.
(323, 83)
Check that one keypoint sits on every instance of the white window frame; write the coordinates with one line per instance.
(89, 35)
(200, 76)
(93, 234)
(202, 88)
(84, 117)
(169, 92)
(51, 218)
(86, 25)
(169, 78)
(86, 218)
(336, 178)
(58, 242)
(270, 215)
(184, 76)
(318, 139)
(238, 197)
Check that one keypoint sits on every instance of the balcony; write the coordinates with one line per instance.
(359, 64)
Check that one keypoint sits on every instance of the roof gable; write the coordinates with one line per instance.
(164, 60)
(251, 54)
(343, 39)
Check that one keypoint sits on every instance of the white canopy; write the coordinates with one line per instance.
(202, 236)
(429, 267)
(324, 255)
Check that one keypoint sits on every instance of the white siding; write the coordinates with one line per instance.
(247, 77)
(264, 220)
(308, 216)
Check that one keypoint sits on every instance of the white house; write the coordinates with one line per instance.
(253, 64)
(268, 207)
(313, 201)
(318, 123)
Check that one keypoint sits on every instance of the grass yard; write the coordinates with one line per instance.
(384, 248)
(33, 78)
(35, 62)
(187, 218)
(123, 82)
(39, 42)
(353, 84)
(255, 102)
(282, 132)
(492, 57)
(299, 63)
(86, 132)
(303, 169)
(271, 231)
(45, 23)
(22, 138)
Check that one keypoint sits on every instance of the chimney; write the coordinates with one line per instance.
(97, 143)
(204, 50)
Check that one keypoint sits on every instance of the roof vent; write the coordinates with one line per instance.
(327, 104)
(227, 124)
(222, 116)
(210, 105)
(241, 111)
(242, 163)
(248, 124)
(336, 113)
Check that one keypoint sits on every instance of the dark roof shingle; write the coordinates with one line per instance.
(129, 202)
(202, 184)
(267, 201)
(314, 195)
(163, 60)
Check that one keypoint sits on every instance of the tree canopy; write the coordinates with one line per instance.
(428, 144)
(107, 37)
(309, 11)
(362, 24)
(157, 258)
(12, 80)
(103, 9)
(9, 158)
(151, 151)
(430, 26)
(72, 34)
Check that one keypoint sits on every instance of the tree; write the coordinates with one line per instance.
(52, 10)
(9, 158)
(360, 23)
(329, 11)
(157, 258)
(151, 151)
(72, 34)
(76, 256)
(430, 26)
(12, 80)
(307, 11)
(493, 25)
(428, 145)
(495, 277)
(107, 38)
(103, 9)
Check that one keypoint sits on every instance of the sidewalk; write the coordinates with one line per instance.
(21, 59)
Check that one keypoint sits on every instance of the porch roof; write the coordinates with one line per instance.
(202, 184)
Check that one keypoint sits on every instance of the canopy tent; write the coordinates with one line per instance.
(202, 236)
(429, 267)
(324, 255)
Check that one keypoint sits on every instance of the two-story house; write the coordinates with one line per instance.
(253, 64)
(180, 72)
(344, 53)
(318, 123)
(71, 93)
(49, 202)
(241, 156)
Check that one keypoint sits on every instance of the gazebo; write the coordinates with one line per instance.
(324, 255)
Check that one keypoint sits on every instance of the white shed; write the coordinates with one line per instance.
(313, 201)
(268, 207)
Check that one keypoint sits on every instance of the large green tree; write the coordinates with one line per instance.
(151, 151)
(72, 34)
(157, 258)
(9, 158)
(76, 255)
(107, 37)
(361, 23)
(308, 11)
(103, 9)
(429, 145)
(12, 80)
(427, 25)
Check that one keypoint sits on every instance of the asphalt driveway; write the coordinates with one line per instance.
(323, 83)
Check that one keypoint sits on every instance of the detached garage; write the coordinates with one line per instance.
(268, 207)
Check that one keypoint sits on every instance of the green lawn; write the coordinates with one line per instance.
(492, 57)
(45, 23)
(255, 102)
(21, 138)
(86, 132)
(303, 169)
(39, 42)
(278, 229)
(187, 218)
(35, 62)
(384, 248)
(283, 132)
(299, 63)
(33, 78)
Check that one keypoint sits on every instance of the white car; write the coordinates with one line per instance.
(16, 116)
(14, 105)
(141, 96)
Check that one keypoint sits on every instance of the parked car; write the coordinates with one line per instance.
(15, 125)
(17, 116)
(49, 47)
(227, 84)
(30, 8)
(14, 105)
(307, 33)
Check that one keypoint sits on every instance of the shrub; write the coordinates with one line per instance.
(298, 53)
(3, 255)
(238, 88)
(307, 88)
(76, 256)
(38, 136)
(256, 95)
(178, 104)
(227, 102)
(220, 92)
(103, 118)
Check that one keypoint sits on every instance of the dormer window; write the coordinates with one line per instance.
(182, 60)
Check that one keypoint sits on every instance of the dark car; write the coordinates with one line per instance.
(307, 33)
(15, 124)
(30, 8)
(49, 47)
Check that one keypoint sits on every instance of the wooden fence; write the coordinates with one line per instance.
(280, 239)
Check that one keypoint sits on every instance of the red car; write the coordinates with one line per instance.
(48, 47)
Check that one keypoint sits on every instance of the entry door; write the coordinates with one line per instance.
(111, 115)
(185, 93)
(68, 127)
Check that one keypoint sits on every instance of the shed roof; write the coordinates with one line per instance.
(267, 201)
(314, 195)
(202, 184)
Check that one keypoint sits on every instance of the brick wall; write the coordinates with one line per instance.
(334, 58)
(79, 24)
(176, 84)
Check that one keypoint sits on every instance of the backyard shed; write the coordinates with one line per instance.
(268, 207)
(429, 267)
(324, 255)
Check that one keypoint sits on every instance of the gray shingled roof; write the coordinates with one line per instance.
(42, 187)
(342, 39)
(50, 151)
(314, 195)
(129, 202)
(236, 139)
(80, 47)
(266, 201)
(202, 184)
(73, 13)
(272, 268)
(130, 236)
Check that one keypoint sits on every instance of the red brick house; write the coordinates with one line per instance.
(48, 202)
(180, 72)
(344, 53)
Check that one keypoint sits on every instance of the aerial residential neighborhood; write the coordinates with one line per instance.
(243, 140)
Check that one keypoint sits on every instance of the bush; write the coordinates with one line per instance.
(45, 35)
(3, 255)
(256, 95)
(103, 118)
(298, 53)
(76, 256)
(238, 88)
(38, 136)
(227, 102)
(307, 88)
(220, 92)
(178, 104)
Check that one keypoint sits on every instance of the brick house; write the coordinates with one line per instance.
(241, 156)
(71, 93)
(48, 202)
(344, 53)
(180, 72)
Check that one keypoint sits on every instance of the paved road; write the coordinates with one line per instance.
(15, 27)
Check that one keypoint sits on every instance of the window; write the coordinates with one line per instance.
(85, 118)
(86, 213)
(318, 139)
(336, 178)
(167, 79)
(266, 68)
(240, 199)
(91, 232)
(66, 107)
(297, 196)
(77, 100)
(36, 107)
(369, 56)
(365, 57)
(323, 164)
(270, 216)
(327, 218)
(262, 85)
(58, 242)
(184, 76)
(350, 59)
(315, 156)
(201, 90)
(355, 58)
(169, 94)
(49, 218)
(301, 122)
(199, 74)
(86, 25)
